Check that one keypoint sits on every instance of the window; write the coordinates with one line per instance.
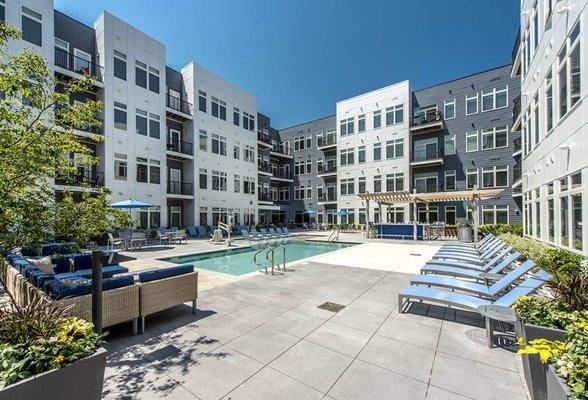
(202, 178)
(347, 157)
(361, 154)
(569, 75)
(202, 140)
(309, 166)
(219, 181)
(32, 28)
(377, 119)
(219, 145)
(299, 143)
(377, 151)
(249, 185)
(450, 215)
(575, 68)
(395, 114)
(346, 126)
(154, 172)
(120, 169)
(248, 121)
(495, 137)
(153, 80)
(395, 182)
(361, 123)
(202, 101)
(394, 148)
(236, 152)
(120, 116)
(347, 186)
(249, 154)
(536, 118)
(496, 176)
(449, 111)
(549, 101)
(154, 126)
(550, 220)
(471, 141)
(120, 65)
(494, 214)
(564, 214)
(472, 178)
(218, 108)
(361, 185)
(377, 183)
(309, 192)
(450, 180)
(142, 167)
(2, 11)
(449, 145)
(299, 168)
(472, 104)
(309, 142)
(577, 221)
(140, 74)
(396, 215)
(236, 116)
(563, 81)
(494, 99)
(141, 122)
(237, 184)
(425, 183)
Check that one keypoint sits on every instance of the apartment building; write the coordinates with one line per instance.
(314, 186)
(553, 118)
(373, 152)
(461, 138)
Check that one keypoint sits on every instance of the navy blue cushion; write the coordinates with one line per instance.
(165, 273)
(82, 261)
(108, 271)
(61, 262)
(20, 264)
(57, 290)
(28, 252)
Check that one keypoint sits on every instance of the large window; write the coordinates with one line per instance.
(140, 74)
(202, 140)
(219, 181)
(395, 182)
(450, 180)
(219, 145)
(153, 80)
(394, 148)
(494, 99)
(346, 156)
(120, 65)
(32, 26)
(361, 154)
(549, 101)
(361, 123)
(495, 214)
(577, 221)
(120, 168)
(120, 116)
(569, 71)
(449, 109)
(495, 137)
(550, 220)
(449, 145)
(472, 178)
(472, 104)
(377, 183)
(236, 116)
(348, 186)
(202, 101)
(496, 176)
(361, 184)
(347, 126)
(377, 119)
(202, 178)
(218, 108)
(377, 151)
(471, 141)
(395, 114)
(141, 122)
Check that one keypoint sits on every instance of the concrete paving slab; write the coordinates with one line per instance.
(263, 343)
(341, 338)
(410, 332)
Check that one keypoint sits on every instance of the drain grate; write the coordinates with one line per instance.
(333, 307)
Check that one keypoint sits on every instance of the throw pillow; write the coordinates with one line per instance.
(44, 264)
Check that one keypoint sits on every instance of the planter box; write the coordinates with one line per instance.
(557, 389)
(80, 380)
(533, 368)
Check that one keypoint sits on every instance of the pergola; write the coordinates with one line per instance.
(390, 198)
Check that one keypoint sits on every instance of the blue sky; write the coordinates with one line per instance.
(300, 57)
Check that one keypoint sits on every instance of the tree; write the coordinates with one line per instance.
(37, 125)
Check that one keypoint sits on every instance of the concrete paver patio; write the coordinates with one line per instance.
(264, 338)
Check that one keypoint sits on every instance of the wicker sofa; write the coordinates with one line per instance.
(123, 300)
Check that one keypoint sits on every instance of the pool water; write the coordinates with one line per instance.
(239, 261)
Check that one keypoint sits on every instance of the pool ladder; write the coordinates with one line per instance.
(270, 251)
(334, 236)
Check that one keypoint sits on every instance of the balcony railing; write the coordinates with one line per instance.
(426, 154)
(180, 146)
(282, 149)
(517, 171)
(178, 104)
(329, 140)
(264, 197)
(77, 64)
(282, 174)
(183, 188)
(326, 198)
(327, 169)
(265, 138)
(516, 108)
(427, 119)
(428, 187)
(264, 166)
(89, 178)
(517, 144)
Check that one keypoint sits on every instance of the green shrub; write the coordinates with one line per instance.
(550, 313)
(39, 338)
(499, 229)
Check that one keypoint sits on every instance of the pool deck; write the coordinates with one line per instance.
(263, 337)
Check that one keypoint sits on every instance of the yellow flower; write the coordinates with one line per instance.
(59, 359)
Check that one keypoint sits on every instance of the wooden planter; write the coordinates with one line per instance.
(533, 368)
(557, 389)
(81, 380)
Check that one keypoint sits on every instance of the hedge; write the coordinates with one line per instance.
(499, 229)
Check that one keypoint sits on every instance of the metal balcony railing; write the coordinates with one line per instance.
(327, 169)
(516, 108)
(264, 166)
(517, 144)
(282, 149)
(426, 118)
(426, 154)
(180, 146)
(264, 197)
(178, 104)
(80, 178)
(183, 188)
(328, 140)
(77, 64)
(428, 187)
(265, 138)
(517, 171)
(282, 174)
(326, 198)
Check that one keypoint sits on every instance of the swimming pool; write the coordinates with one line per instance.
(239, 261)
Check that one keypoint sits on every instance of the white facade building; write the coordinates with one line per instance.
(373, 150)
(554, 118)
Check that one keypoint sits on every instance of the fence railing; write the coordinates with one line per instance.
(183, 188)
(178, 104)
(426, 154)
(327, 140)
(90, 178)
(180, 146)
(77, 64)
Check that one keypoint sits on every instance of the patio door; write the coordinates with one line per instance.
(82, 62)
(175, 216)
(175, 181)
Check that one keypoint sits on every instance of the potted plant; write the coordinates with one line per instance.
(565, 363)
(46, 354)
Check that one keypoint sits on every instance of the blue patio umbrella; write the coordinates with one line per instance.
(343, 213)
(130, 204)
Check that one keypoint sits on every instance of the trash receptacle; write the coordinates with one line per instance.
(464, 231)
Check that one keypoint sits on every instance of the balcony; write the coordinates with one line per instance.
(516, 113)
(91, 179)
(427, 157)
(517, 146)
(426, 122)
(180, 188)
(325, 171)
(180, 147)
(264, 198)
(282, 176)
(327, 199)
(177, 108)
(281, 150)
(517, 174)
(264, 140)
(425, 187)
(264, 168)
(76, 67)
(326, 143)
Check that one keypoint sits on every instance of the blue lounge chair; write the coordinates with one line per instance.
(472, 252)
(286, 231)
(464, 245)
(483, 273)
(281, 232)
(480, 289)
(201, 231)
(247, 236)
(469, 265)
(470, 258)
(256, 234)
(274, 233)
(192, 231)
(265, 233)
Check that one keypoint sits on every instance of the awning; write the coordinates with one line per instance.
(434, 197)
